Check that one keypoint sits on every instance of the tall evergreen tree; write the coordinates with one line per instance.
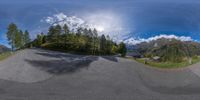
(85, 31)
(122, 49)
(85, 40)
(102, 44)
(44, 39)
(39, 39)
(90, 33)
(19, 39)
(95, 41)
(57, 33)
(95, 33)
(50, 34)
(11, 34)
(26, 37)
(108, 44)
(79, 31)
(66, 32)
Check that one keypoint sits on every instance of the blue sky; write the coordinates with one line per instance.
(138, 18)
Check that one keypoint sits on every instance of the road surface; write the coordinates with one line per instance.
(35, 74)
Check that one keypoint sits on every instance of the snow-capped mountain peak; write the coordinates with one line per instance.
(134, 41)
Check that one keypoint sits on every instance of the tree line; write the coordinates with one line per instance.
(16, 37)
(170, 50)
(84, 41)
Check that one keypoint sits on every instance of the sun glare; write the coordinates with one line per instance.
(100, 28)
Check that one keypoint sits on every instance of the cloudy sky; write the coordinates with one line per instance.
(129, 20)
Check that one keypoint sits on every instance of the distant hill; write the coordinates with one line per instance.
(169, 49)
(3, 49)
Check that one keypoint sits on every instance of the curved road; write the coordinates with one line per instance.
(35, 74)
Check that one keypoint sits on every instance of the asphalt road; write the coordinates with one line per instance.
(36, 74)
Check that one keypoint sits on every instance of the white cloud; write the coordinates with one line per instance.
(133, 41)
(105, 23)
(109, 22)
(72, 21)
(49, 20)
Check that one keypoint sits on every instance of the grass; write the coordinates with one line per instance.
(168, 64)
(5, 55)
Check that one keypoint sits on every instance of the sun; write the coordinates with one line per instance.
(100, 28)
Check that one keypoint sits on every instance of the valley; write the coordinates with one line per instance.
(167, 53)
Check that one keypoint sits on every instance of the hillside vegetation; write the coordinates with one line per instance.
(170, 50)
(17, 38)
(82, 41)
(4, 52)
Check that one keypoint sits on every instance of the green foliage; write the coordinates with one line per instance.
(18, 40)
(173, 53)
(195, 57)
(54, 33)
(26, 37)
(170, 50)
(148, 55)
(5, 55)
(169, 64)
(122, 49)
(40, 39)
(85, 41)
(16, 37)
(61, 38)
(102, 44)
(114, 49)
(11, 33)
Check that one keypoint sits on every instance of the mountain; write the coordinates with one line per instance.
(169, 49)
(3, 49)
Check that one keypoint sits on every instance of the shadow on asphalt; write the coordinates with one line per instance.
(185, 88)
(110, 58)
(66, 64)
(55, 54)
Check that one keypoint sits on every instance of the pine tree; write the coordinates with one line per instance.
(79, 31)
(95, 41)
(85, 31)
(39, 39)
(66, 32)
(108, 45)
(11, 34)
(95, 33)
(19, 39)
(122, 49)
(26, 37)
(90, 33)
(102, 44)
(50, 34)
(57, 33)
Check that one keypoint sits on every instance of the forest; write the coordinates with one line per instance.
(82, 41)
(17, 38)
(170, 50)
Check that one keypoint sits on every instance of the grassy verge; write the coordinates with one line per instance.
(5, 55)
(168, 64)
